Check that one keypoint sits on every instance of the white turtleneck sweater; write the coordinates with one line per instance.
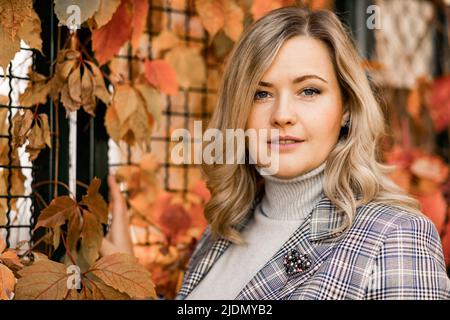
(284, 206)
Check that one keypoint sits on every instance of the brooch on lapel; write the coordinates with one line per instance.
(294, 262)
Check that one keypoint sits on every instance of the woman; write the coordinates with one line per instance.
(329, 224)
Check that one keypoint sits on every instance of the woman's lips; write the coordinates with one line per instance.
(285, 143)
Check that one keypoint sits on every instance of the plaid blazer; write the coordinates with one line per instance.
(387, 253)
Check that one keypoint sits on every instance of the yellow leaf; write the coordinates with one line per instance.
(189, 66)
(123, 272)
(125, 102)
(212, 15)
(152, 100)
(234, 20)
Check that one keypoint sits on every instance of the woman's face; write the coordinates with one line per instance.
(300, 96)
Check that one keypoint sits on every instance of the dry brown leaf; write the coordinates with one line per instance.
(31, 31)
(101, 291)
(55, 215)
(100, 90)
(7, 283)
(95, 202)
(112, 123)
(21, 124)
(123, 272)
(43, 280)
(9, 49)
(36, 92)
(91, 240)
(13, 14)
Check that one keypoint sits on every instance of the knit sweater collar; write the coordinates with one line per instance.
(293, 198)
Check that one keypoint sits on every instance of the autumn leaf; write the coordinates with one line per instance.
(211, 13)
(218, 14)
(31, 31)
(8, 256)
(91, 239)
(105, 12)
(130, 116)
(430, 167)
(101, 291)
(39, 136)
(189, 66)
(140, 11)
(123, 272)
(152, 100)
(7, 283)
(87, 8)
(55, 215)
(43, 280)
(9, 48)
(13, 14)
(439, 104)
(36, 91)
(165, 40)
(95, 202)
(108, 39)
(161, 75)
(435, 207)
(21, 124)
(261, 7)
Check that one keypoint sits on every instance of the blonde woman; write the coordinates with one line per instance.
(329, 224)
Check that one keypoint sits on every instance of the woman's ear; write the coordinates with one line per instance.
(345, 117)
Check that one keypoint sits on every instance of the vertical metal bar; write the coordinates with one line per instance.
(9, 184)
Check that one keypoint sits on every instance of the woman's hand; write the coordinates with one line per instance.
(118, 238)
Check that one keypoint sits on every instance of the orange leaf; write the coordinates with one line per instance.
(123, 272)
(7, 283)
(140, 11)
(435, 207)
(108, 40)
(160, 74)
(439, 105)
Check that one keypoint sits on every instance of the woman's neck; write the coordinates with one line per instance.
(293, 198)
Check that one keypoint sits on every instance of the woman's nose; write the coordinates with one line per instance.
(283, 113)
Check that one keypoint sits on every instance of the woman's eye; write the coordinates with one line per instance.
(260, 95)
(309, 92)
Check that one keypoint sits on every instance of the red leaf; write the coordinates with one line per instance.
(439, 105)
(160, 74)
(108, 40)
(435, 207)
(140, 11)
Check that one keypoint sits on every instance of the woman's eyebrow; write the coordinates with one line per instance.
(296, 80)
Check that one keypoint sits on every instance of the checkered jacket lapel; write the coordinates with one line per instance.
(271, 282)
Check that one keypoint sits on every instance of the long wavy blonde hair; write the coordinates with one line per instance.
(353, 166)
